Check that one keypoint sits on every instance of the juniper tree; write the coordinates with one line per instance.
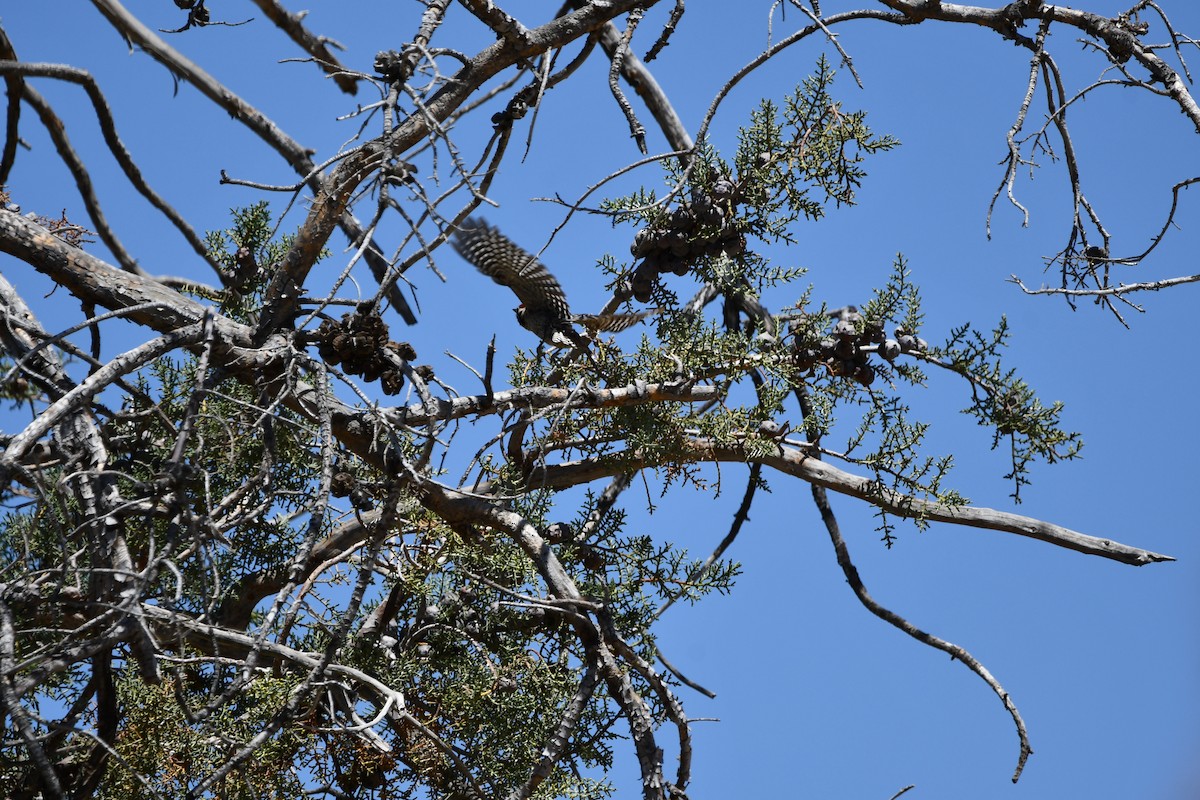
(258, 544)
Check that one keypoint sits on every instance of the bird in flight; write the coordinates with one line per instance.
(543, 311)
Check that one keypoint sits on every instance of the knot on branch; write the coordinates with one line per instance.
(394, 66)
(399, 173)
(245, 273)
(1014, 16)
(1122, 37)
(1132, 24)
(517, 108)
(197, 14)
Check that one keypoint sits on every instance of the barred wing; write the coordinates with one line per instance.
(495, 255)
(611, 323)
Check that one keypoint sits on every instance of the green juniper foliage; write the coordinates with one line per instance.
(792, 162)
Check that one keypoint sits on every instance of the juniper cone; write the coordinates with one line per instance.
(543, 310)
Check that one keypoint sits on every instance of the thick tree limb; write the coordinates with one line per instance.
(794, 461)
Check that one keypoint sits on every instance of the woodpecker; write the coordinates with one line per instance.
(543, 310)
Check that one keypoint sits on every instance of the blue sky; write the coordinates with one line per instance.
(816, 697)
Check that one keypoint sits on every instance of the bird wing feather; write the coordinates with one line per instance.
(502, 260)
(611, 323)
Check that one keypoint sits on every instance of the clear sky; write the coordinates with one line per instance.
(816, 697)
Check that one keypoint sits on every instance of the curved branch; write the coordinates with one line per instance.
(638, 75)
(561, 737)
(796, 462)
(83, 181)
(14, 87)
(892, 618)
(115, 146)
